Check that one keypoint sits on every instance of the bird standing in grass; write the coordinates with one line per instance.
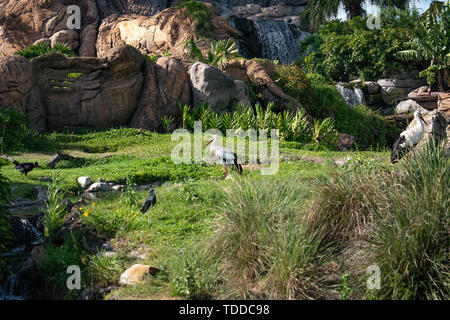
(408, 138)
(25, 167)
(224, 156)
(149, 202)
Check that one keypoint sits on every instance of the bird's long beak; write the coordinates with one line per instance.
(421, 118)
(209, 142)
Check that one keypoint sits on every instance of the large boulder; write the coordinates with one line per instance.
(425, 97)
(167, 31)
(409, 106)
(259, 74)
(166, 84)
(395, 90)
(215, 87)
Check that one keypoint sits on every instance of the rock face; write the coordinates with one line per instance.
(167, 31)
(259, 74)
(425, 99)
(16, 81)
(409, 106)
(122, 88)
(166, 83)
(395, 90)
(216, 88)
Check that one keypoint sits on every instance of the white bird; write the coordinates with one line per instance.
(223, 156)
(408, 138)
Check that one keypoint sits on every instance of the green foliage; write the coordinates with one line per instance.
(104, 271)
(153, 58)
(295, 83)
(432, 44)
(200, 15)
(261, 241)
(15, 134)
(370, 129)
(167, 123)
(128, 196)
(292, 127)
(55, 213)
(218, 55)
(344, 290)
(195, 274)
(41, 49)
(347, 49)
(53, 269)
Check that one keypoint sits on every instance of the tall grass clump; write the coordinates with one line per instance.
(400, 219)
(55, 213)
(412, 239)
(260, 236)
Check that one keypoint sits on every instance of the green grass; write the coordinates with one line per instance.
(253, 236)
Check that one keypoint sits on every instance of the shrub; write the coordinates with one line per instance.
(200, 15)
(41, 49)
(295, 83)
(347, 49)
(370, 129)
(15, 134)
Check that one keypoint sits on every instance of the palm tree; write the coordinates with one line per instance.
(432, 43)
(218, 55)
(318, 11)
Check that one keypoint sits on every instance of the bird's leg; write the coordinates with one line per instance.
(226, 172)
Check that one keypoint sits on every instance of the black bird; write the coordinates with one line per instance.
(25, 167)
(149, 202)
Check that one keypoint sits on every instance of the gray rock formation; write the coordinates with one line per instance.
(216, 88)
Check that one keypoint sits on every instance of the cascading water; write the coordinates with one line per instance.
(279, 39)
(13, 286)
(352, 97)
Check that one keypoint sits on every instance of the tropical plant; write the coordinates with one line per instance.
(432, 44)
(218, 55)
(167, 123)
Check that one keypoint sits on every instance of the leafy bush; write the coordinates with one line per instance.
(295, 83)
(370, 129)
(41, 49)
(347, 49)
(200, 15)
(15, 134)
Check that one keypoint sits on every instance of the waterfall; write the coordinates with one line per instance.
(352, 97)
(279, 40)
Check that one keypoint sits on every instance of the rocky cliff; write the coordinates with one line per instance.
(267, 28)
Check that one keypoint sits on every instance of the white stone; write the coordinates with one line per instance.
(84, 181)
(99, 186)
(409, 106)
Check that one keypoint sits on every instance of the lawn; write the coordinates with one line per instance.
(194, 209)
